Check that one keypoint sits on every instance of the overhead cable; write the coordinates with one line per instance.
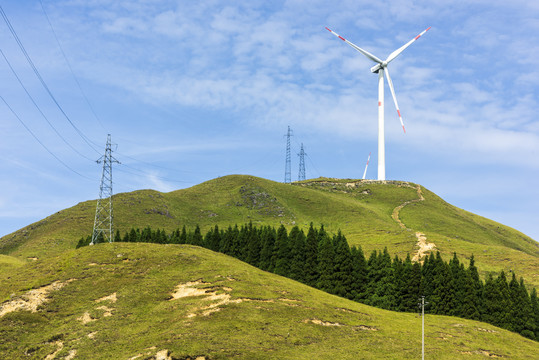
(39, 109)
(29, 60)
(40, 142)
(70, 68)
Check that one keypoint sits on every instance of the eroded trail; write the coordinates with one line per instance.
(424, 247)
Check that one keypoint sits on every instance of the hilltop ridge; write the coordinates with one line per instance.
(364, 210)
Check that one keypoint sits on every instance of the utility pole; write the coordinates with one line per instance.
(422, 306)
(287, 170)
(301, 175)
(103, 225)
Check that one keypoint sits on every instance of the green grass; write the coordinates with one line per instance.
(9, 263)
(362, 210)
(274, 320)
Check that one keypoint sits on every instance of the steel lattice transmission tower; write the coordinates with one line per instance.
(103, 225)
(301, 174)
(288, 166)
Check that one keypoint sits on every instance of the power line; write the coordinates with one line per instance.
(39, 141)
(39, 109)
(29, 60)
(312, 163)
(70, 67)
(144, 173)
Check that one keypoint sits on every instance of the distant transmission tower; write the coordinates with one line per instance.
(301, 175)
(103, 229)
(288, 166)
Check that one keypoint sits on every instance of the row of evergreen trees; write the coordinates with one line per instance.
(329, 264)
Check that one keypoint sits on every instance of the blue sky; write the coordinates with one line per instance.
(193, 90)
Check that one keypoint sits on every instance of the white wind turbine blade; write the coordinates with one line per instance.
(397, 52)
(364, 52)
(394, 98)
(366, 166)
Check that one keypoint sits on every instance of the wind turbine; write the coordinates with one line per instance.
(381, 68)
(366, 166)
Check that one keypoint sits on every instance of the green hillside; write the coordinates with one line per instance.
(149, 301)
(368, 213)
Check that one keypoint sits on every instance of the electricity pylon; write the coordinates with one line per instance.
(103, 228)
(301, 174)
(288, 166)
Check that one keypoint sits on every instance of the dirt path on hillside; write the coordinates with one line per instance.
(424, 246)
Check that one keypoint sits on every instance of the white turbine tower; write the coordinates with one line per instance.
(380, 68)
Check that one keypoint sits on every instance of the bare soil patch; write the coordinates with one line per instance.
(32, 299)
(112, 298)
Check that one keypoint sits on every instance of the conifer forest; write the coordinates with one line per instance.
(328, 263)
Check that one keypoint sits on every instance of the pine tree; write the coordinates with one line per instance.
(535, 309)
(408, 281)
(282, 252)
(84, 242)
(494, 305)
(183, 236)
(311, 257)
(146, 235)
(266, 253)
(161, 237)
(225, 245)
(241, 241)
(254, 247)
(133, 236)
(360, 274)
(428, 273)
(297, 254)
(343, 268)
(381, 281)
(326, 265)
(207, 238)
(458, 274)
(443, 294)
(505, 302)
(195, 238)
(521, 313)
(475, 292)
(175, 237)
(469, 307)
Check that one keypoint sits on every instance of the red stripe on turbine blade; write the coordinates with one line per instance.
(417, 37)
(340, 37)
(428, 28)
(399, 112)
(379, 103)
(403, 129)
(328, 29)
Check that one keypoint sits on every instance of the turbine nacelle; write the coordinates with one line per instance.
(376, 68)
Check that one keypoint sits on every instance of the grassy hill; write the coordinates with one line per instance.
(148, 301)
(368, 213)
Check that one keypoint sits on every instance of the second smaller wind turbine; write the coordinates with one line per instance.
(366, 166)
